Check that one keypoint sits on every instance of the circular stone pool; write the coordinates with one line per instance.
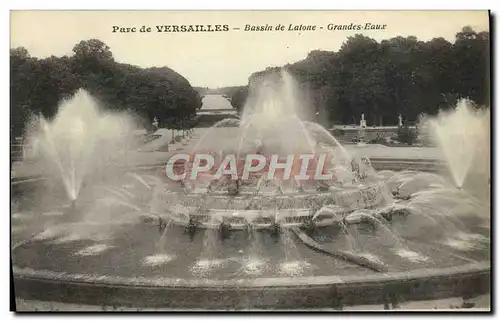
(431, 241)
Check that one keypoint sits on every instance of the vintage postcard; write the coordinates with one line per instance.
(250, 160)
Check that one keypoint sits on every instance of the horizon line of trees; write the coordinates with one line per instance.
(400, 75)
(37, 86)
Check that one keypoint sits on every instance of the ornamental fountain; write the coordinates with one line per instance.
(216, 242)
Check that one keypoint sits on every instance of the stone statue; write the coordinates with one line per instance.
(362, 122)
(400, 120)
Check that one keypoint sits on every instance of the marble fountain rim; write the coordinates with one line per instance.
(466, 280)
(296, 281)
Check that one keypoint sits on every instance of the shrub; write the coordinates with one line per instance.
(406, 135)
(380, 139)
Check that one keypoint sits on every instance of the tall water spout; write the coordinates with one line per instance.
(79, 140)
(462, 134)
(273, 114)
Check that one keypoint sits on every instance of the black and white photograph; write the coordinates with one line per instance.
(250, 160)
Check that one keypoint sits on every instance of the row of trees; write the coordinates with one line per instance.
(395, 76)
(38, 85)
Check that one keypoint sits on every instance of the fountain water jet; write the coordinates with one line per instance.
(462, 134)
(80, 140)
(274, 113)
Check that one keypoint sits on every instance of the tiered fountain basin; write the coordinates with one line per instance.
(260, 210)
(111, 254)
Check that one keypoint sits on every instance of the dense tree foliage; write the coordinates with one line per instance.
(38, 85)
(395, 76)
(239, 97)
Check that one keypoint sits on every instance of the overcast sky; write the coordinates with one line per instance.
(223, 58)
